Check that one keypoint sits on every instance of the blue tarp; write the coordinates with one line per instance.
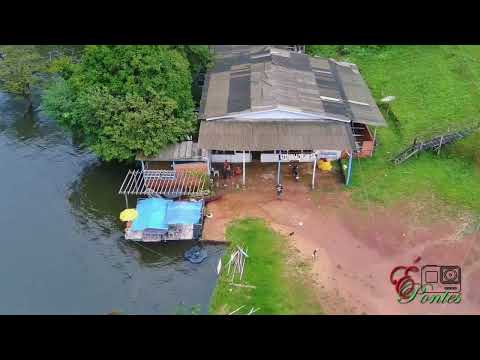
(184, 212)
(158, 213)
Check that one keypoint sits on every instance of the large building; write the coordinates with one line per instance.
(270, 104)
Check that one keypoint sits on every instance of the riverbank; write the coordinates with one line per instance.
(63, 250)
(280, 279)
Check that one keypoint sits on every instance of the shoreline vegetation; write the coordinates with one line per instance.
(277, 280)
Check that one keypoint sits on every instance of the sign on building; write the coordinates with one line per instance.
(300, 157)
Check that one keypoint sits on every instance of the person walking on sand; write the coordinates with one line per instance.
(314, 254)
(279, 190)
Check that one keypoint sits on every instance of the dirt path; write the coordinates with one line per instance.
(357, 249)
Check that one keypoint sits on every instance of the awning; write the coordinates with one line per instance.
(164, 182)
(183, 151)
(275, 135)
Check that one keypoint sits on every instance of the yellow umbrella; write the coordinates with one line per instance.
(128, 215)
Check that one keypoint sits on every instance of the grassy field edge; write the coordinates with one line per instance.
(281, 279)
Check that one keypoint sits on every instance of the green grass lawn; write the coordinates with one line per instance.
(281, 279)
(437, 88)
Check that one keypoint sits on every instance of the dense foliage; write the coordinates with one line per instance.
(200, 60)
(124, 99)
(198, 56)
(19, 68)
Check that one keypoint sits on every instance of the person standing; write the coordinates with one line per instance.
(279, 190)
(225, 166)
(229, 170)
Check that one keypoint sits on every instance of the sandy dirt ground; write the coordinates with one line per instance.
(357, 248)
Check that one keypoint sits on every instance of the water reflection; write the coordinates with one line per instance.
(156, 254)
(96, 205)
(28, 127)
(94, 199)
(63, 250)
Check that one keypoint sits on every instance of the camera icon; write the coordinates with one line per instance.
(441, 278)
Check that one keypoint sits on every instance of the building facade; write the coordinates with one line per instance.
(270, 104)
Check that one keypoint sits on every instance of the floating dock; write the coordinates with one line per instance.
(162, 220)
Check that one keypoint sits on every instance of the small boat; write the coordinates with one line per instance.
(196, 254)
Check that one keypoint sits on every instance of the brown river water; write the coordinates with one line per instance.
(62, 249)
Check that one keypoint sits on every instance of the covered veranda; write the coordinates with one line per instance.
(321, 138)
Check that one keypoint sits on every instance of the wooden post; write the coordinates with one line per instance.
(314, 169)
(126, 201)
(440, 146)
(420, 149)
(278, 170)
(243, 171)
(374, 140)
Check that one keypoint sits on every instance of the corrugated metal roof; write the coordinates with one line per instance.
(364, 108)
(264, 136)
(184, 151)
(257, 77)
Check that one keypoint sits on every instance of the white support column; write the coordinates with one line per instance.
(209, 165)
(126, 201)
(278, 170)
(143, 166)
(243, 172)
(313, 173)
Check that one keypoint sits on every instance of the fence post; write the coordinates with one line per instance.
(440, 146)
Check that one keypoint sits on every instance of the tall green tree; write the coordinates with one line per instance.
(19, 70)
(200, 60)
(124, 99)
(198, 56)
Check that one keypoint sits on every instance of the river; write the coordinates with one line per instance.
(62, 249)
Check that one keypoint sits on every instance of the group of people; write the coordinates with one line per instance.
(228, 171)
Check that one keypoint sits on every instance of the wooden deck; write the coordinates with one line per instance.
(174, 233)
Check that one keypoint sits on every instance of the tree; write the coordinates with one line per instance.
(124, 99)
(200, 60)
(19, 69)
(198, 56)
